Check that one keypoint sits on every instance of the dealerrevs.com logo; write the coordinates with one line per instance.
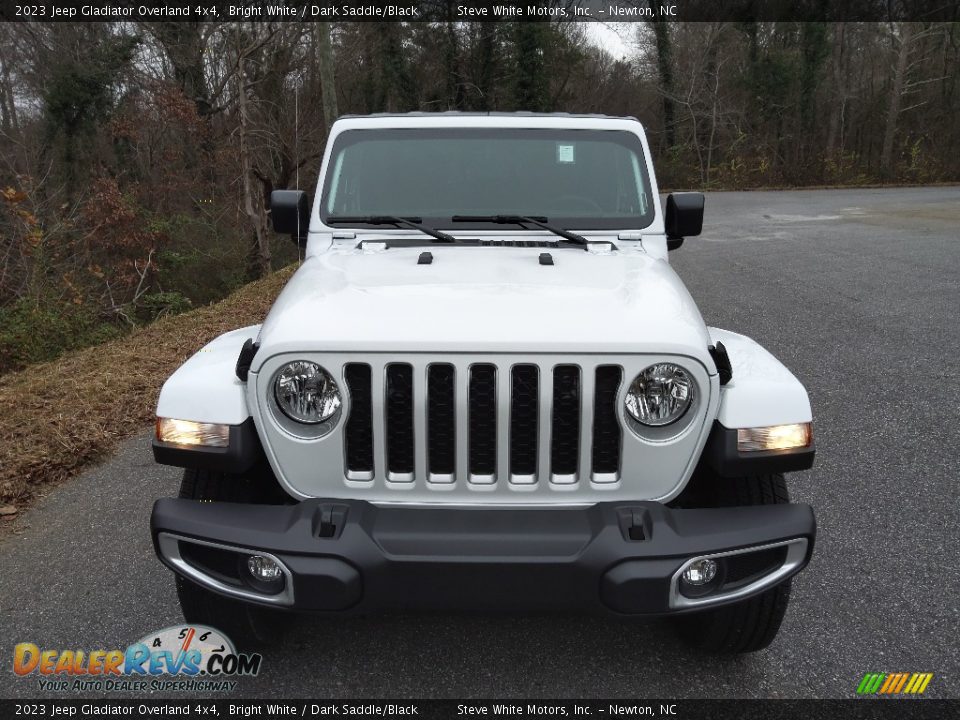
(177, 658)
(894, 683)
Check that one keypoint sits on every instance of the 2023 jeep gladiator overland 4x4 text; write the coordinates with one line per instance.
(486, 388)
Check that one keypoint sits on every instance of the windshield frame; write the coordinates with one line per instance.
(623, 137)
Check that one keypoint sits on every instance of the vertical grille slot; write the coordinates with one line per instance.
(441, 423)
(524, 425)
(399, 422)
(358, 438)
(606, 429)
(565, 424)
(483, 423)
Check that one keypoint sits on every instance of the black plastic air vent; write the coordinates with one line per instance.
(441, 420)
(483, 420)
(606, 429)
(359, 430)
(565, 420)
(399, 416)
(524, 413)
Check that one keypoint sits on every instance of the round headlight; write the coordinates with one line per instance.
(660, 394)
(307, 393)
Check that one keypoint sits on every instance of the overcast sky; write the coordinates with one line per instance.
(615, 38)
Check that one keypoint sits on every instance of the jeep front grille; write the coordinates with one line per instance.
(399, 416)
(359, 433)
(441, 413)
(483, 423)
(565, 422)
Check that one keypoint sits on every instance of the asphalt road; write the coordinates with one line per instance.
(857, 291)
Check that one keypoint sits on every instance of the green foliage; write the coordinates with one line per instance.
(531, 81)
(153, 306)
(80, 92)
(771, 80)
(31, 333)
(134, 206)
(79, 95)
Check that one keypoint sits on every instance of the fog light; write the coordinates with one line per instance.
(700, 572)
(264, 569)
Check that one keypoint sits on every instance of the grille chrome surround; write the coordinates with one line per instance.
(538, 437)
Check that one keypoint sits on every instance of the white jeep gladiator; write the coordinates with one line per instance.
(486, 388)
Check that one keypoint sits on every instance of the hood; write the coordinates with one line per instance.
(484, 299)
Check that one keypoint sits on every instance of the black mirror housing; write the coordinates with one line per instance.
(290, 213)
(684, 215)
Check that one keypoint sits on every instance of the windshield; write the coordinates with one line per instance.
(579, 179)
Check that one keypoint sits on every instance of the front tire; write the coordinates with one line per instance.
(248, 625)
(749, 625)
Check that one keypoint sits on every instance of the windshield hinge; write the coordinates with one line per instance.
(630, 236)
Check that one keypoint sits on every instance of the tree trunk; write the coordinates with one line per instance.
(396, 83)
(486, 73)
(328, 85)
(530, 86)
(8, 104)
(661, 34)
(896, 93)
(838, 93)
(451, 62)
(259, 258)
(814, 43)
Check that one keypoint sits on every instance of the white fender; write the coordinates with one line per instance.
(206, 388)
(762, 392)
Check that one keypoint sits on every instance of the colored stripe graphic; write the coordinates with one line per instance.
(894, 683)
(900, 683)
(889, 682)
(871, 683)
(922, 684)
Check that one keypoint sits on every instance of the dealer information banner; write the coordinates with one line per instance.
(485, 10)
(445, 709)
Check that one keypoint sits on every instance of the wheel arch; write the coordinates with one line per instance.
(206, 387)
(762, 391)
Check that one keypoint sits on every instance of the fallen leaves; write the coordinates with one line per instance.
(58, 418)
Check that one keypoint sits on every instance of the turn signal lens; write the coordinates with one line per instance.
(776, 437)
(187, 432)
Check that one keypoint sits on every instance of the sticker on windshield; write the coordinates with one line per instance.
(564, 153)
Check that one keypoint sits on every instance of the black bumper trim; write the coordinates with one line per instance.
(561, 558)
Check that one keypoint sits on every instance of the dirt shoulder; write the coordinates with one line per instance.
(58, 418)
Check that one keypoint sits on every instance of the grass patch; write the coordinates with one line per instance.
(57, 418)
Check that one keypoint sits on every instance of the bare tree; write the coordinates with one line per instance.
(911, 56)
(328, 85)
(661, 34)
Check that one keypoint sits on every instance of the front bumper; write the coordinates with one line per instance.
(625, 558)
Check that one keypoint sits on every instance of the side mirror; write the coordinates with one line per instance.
(684, 217)
(290, 213)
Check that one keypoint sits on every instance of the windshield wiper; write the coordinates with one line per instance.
(539, 221)
(413, 222)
